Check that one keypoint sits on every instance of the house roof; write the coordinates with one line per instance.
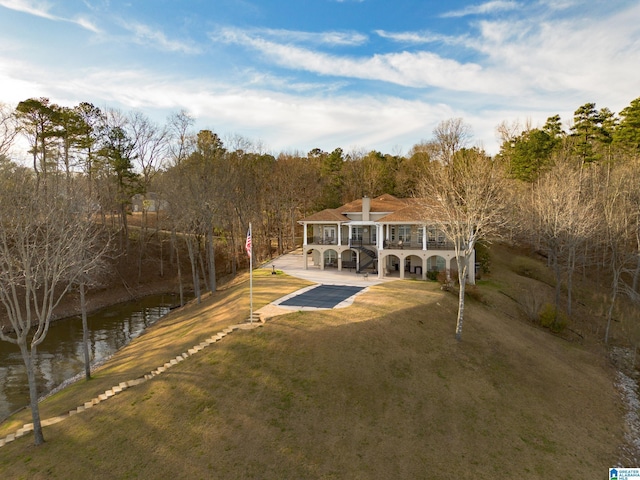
(412, 213)
(383, 203)
(401, 210)
(328, 215)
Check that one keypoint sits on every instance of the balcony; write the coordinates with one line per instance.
(439, 245)
(362, 242)
(402, 245)
(322, 241)
(417, 245)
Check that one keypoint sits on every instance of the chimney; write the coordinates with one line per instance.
(366, 208)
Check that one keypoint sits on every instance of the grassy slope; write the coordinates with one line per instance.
(378, 390)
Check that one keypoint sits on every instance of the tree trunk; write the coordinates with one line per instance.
(174, 245)
(462, 280)
(558, 290)
(212, 259)
(180, 286)
(194, 267)
(614, 294)
(85, 333)
(571, 267)
(27, 356)
(636, 275)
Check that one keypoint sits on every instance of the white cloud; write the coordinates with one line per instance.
(596, 57)
(331, 38)
(417, 38)
(420, 69)
(145, 35)
(483, 9)
(42, 10)
(39, 9)
(286, 121)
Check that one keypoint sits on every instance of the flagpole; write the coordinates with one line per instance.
(250, 252)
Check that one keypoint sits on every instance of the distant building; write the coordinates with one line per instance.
(150, 202)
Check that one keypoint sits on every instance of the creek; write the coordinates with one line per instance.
(60, 356)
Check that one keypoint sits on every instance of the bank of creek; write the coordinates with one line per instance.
(60, 356)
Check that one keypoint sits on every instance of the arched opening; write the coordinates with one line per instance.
(435, 265)
(349, 259)
(312, 258)
(413, 266)
(392, 265)
(331, 258)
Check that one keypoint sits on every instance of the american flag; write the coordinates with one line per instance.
(247, 245)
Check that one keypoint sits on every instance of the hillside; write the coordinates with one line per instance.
(378, 390)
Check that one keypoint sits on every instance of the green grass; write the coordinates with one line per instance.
(380, 389)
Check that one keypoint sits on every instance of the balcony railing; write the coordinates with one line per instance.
(439, 245)
(417, 245)
(361, 242)
(322, 241)
(388, 244)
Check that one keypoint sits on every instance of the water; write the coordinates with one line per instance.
(60, 356)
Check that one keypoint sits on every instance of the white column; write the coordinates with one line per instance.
(350, 235)
(304, 231)
(339, 234)
(424, 237)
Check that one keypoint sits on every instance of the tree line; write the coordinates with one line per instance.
(573, 196)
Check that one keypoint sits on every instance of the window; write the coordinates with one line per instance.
(404, 233)
(329, 234)
(330, 258)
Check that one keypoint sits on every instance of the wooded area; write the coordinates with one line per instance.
(572, 196)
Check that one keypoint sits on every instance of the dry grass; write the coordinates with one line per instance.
(378, 390)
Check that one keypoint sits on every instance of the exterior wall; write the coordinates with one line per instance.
(409, 246)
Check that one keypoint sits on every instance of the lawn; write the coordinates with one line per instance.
(380, 389)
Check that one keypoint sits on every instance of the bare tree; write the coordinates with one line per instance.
(150, 145)
(44, 245)
(8, 129)
(181, 139)
(451, 136)
(464, 198)
(564, 217)
(620, 223)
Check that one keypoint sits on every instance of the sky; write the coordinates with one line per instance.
(294, 75)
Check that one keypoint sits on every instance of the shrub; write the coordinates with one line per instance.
(528, 267)
(532, 301)
(483, 258)
(432, 275)
(554, 320)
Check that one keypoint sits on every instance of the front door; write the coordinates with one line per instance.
(329, 234)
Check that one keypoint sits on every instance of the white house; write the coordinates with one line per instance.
(387, 235)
